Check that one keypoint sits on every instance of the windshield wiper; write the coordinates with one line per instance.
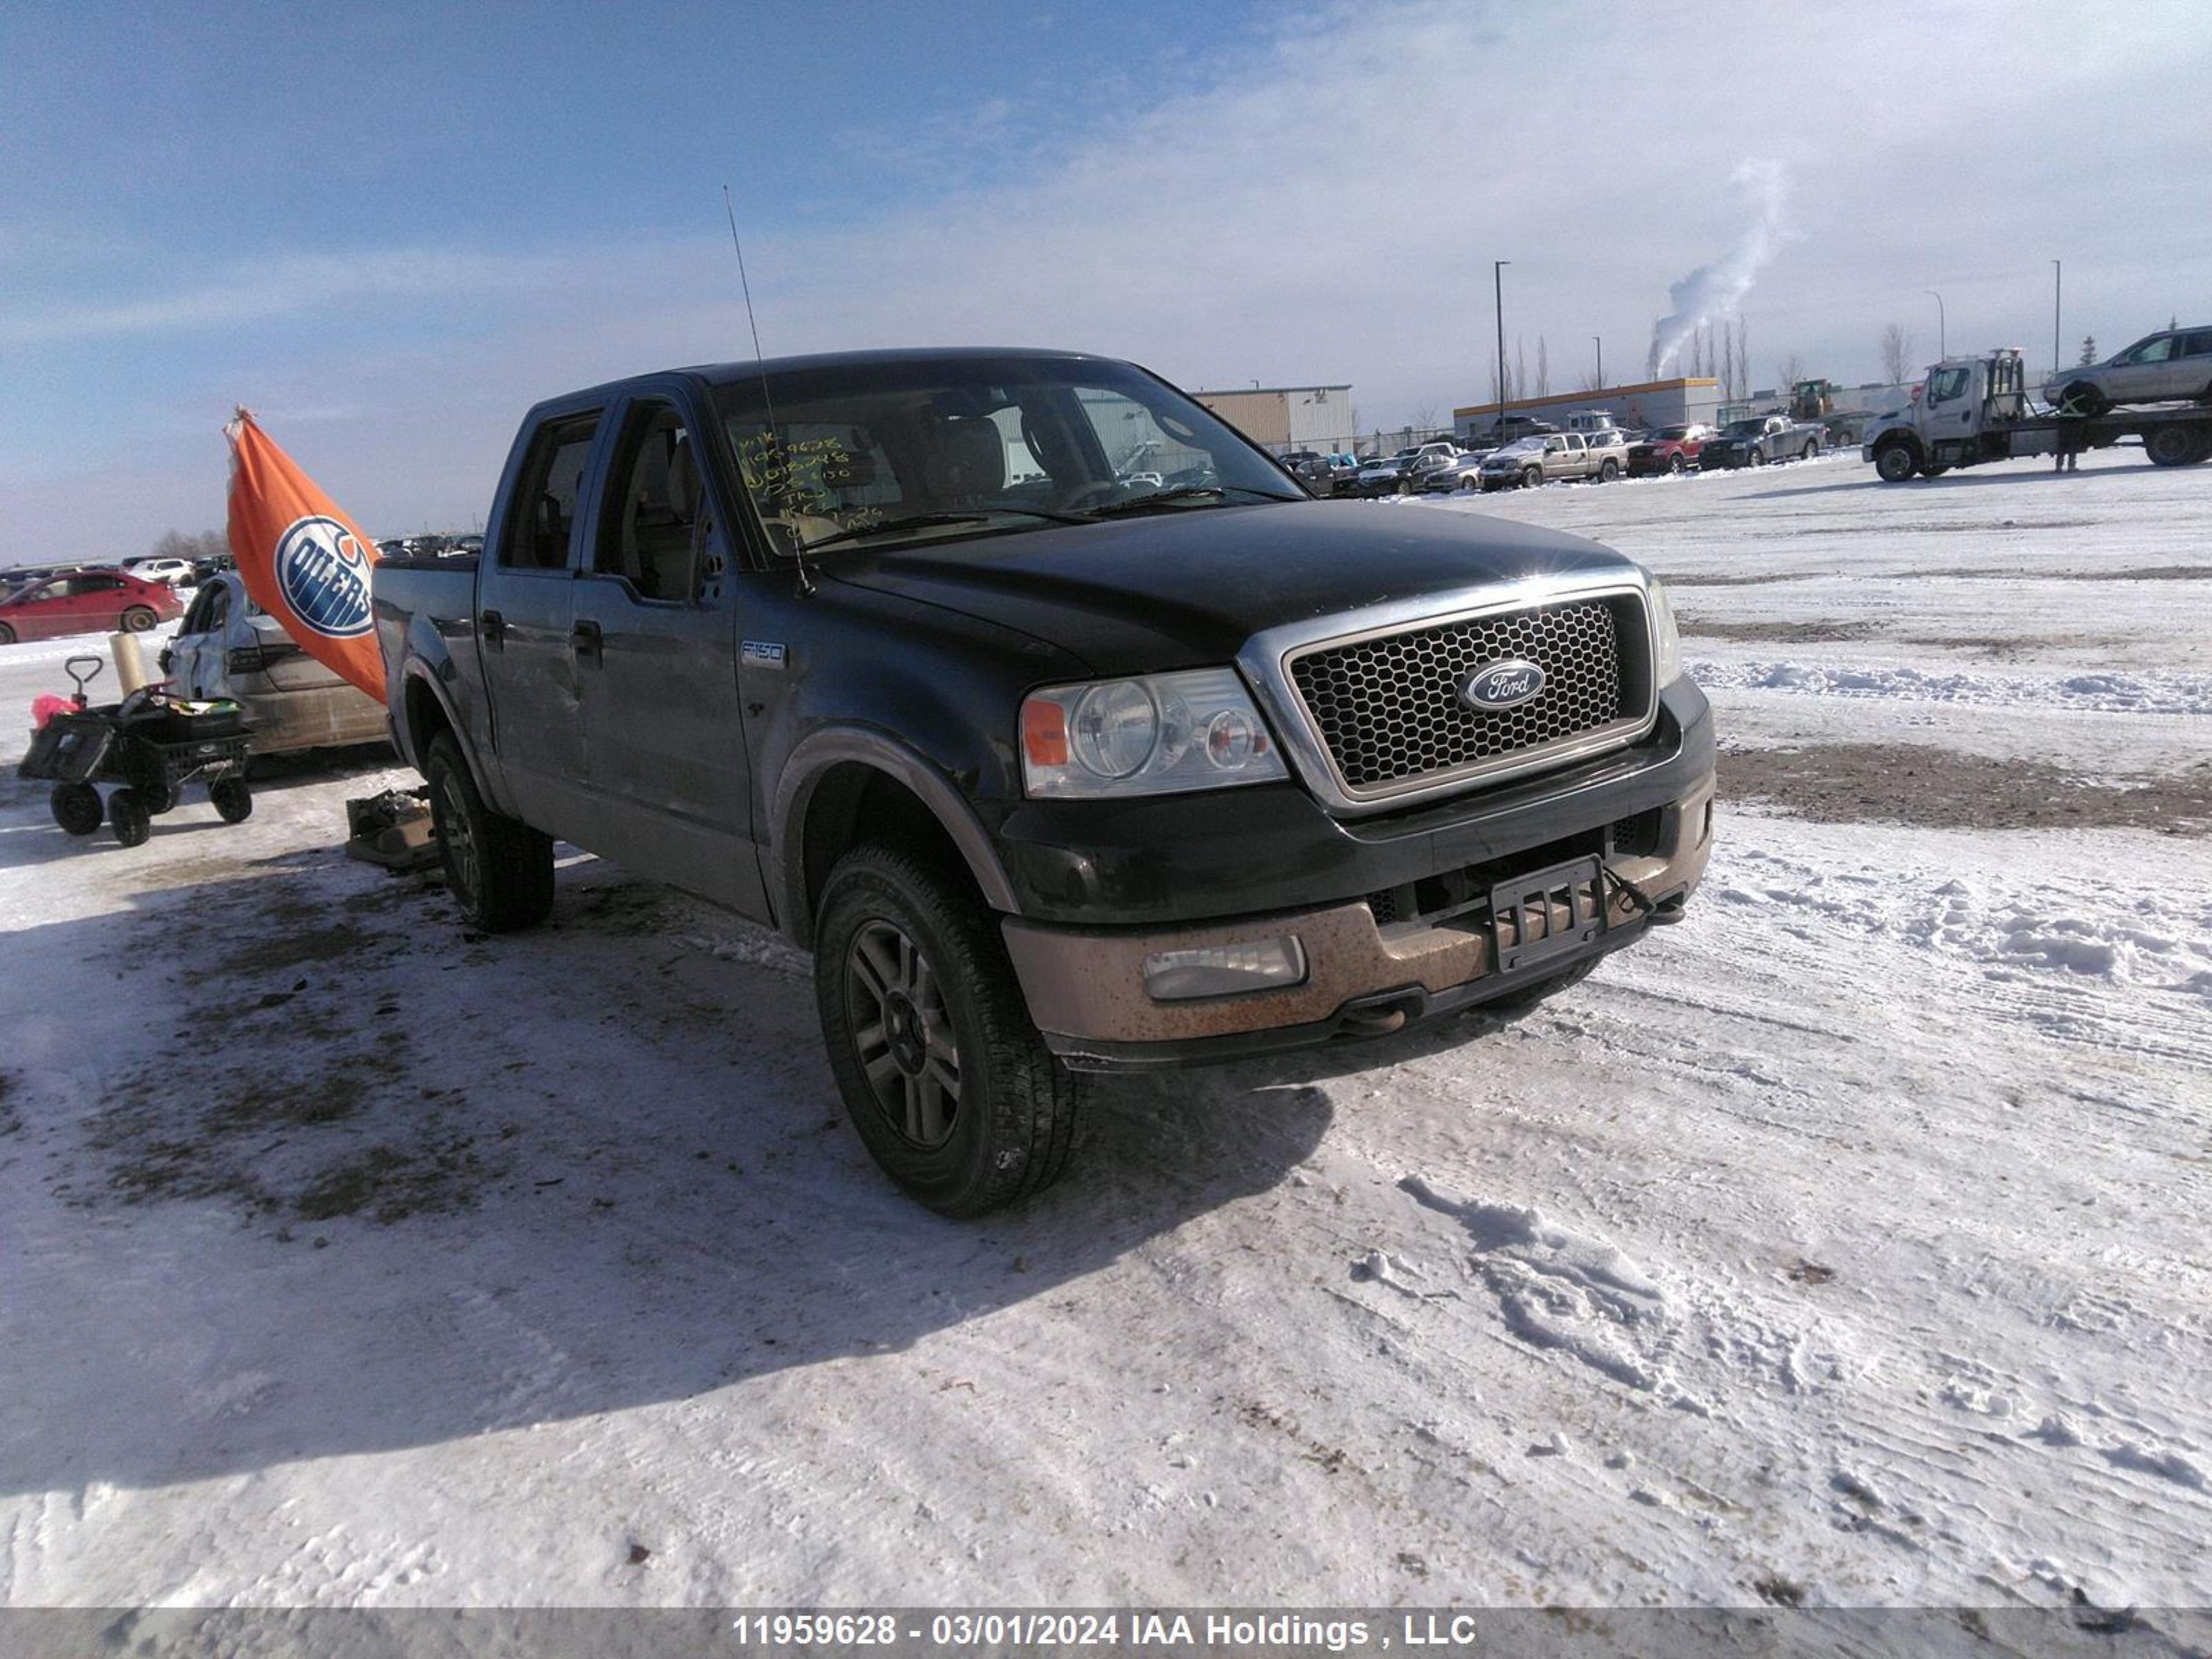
(1184, 492)
(925, 520)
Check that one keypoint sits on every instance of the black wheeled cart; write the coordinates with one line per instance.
(151, 745)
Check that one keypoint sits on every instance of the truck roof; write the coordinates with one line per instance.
(746, 368)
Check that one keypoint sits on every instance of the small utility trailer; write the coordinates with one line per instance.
(1976, 409)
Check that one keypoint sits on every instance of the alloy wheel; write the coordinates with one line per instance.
(902, 1032)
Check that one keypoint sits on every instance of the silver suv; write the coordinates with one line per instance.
(2175, 362)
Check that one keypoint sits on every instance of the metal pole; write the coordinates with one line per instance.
(1600, 339)
(2057, 291)
(1497, 279)
(1941, 329)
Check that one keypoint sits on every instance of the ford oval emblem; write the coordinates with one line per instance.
(1499, 685)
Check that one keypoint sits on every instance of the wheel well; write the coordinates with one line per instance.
(854, 802)
(426, 718)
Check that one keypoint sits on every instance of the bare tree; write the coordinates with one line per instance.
(177, 544)
(2088, 349)
(1543, 369)
(1519, 369)
(1425, 418)
(1790, 370)
(1589, 381)
(1896, 352)
(1742, 356)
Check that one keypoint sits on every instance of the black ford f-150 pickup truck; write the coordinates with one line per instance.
(1054, 717)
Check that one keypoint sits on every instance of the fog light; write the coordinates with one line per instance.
(1221, 970)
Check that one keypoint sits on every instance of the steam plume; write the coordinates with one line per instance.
(1717, 289)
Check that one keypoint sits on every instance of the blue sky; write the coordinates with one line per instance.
(389, 229)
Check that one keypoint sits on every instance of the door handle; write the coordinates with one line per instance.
(491, 628)
(589, 642)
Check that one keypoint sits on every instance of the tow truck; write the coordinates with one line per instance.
(1976, 409)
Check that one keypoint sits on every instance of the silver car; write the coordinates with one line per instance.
(2175, 362)
(229, 647)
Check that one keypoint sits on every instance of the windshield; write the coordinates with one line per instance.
(1522, 447)
(866, 452)
(1675, 432)
(1745, 428)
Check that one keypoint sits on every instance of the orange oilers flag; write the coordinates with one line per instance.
(303, 560)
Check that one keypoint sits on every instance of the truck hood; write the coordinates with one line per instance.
(1180, 589)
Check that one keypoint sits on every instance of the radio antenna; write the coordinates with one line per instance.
(746, 288)
(759, 366)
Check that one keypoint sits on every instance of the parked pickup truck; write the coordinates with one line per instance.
(1758, 439)
(1561, 455)
(1053, 774)
(1670, 449)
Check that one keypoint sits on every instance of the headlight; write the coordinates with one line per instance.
(1157, 735)
(1666, 634)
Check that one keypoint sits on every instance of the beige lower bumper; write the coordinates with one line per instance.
(1088, 985)
(313, 717)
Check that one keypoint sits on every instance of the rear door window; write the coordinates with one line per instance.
(543, 518)
(649, 518)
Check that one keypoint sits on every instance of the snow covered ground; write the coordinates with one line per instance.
(1846, 1244)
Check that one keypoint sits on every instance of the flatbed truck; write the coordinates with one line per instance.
(1973, 410)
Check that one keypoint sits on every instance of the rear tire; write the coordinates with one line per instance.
(77, 807)
(137, 619)
(915, 993)
(498, 868)
(128, 817)
(2172, 444)
(232, 801)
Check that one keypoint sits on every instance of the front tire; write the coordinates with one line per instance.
(1894, 462)
(2086, 400)
(1531, 477)
(1759, 457)
(499, 869)
(7, 634)
(952, 1089)
(128, 817)
(1676, 465)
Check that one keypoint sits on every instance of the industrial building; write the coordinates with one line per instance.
(1286, 417)
(1641, 408)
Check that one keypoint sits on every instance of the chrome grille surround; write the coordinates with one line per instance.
(1437, 637)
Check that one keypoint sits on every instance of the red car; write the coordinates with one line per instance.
(1670, 449)
(85, 602)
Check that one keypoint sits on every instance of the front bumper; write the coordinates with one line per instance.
(1086, 991)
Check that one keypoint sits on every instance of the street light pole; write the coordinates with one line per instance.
(1497, 280)
(1941, 329)
(1600, 339)
(2057, 290)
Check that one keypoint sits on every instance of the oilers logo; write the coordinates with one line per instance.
(322, 571)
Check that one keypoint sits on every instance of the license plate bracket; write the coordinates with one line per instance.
(1547, 913)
